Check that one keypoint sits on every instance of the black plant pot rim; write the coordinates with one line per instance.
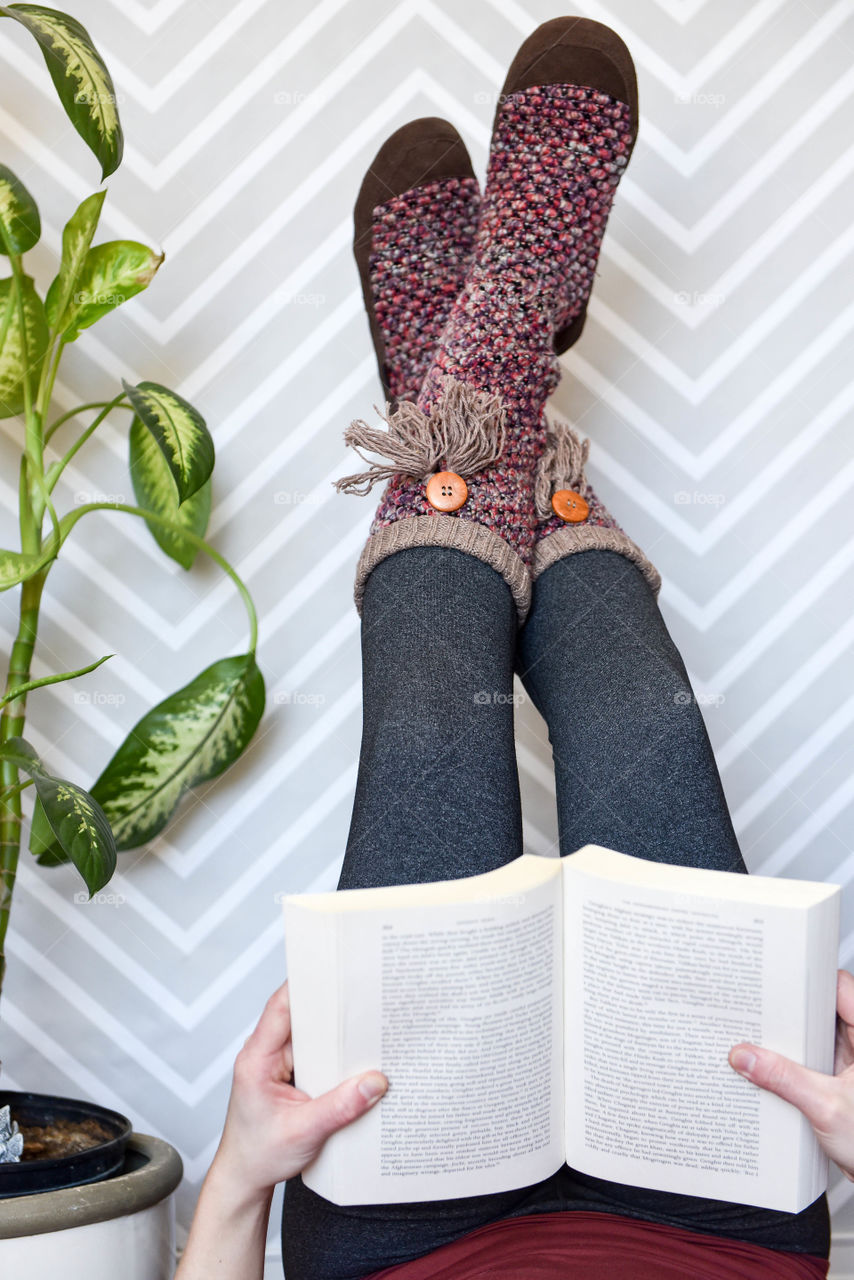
(27, 1177)
(151, 1172)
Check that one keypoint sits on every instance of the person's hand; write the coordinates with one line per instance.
(273, 1130)
(826, 1101)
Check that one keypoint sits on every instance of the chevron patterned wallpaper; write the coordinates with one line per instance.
(712, 378)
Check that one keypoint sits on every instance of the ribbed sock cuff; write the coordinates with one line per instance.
(570, 540)
(447, 531)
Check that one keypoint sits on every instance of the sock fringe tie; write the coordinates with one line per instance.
(561, 466)
(465, 431)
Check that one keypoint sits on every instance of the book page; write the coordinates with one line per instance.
(460, 1005)
(660, 984)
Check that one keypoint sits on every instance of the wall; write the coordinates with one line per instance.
(712, 377)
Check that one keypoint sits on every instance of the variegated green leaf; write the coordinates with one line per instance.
(189, 737)
(179, 431)
(43, 843)
(111, 273)
(17, 566)
(78, 822)
(155, 490)
(81, 829)
(76, 238)
(12, 347)
(18, 213)
(82, 80)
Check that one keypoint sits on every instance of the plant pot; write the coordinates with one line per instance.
(122, 1226)
(71, 1116)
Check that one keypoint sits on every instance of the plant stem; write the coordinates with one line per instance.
(57, 468)
(50, 369)
(11, 726)
(14, 712)
(71, 517)
(20, 786)
(34, 449)
(21, 689)
(72, 413)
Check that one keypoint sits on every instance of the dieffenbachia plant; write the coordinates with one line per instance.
(195, 733)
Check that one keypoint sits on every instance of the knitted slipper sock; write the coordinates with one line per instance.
(554, 163)
(414, 226)
(571, 516)
(421, 241)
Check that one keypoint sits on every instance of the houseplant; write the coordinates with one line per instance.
(196, 732)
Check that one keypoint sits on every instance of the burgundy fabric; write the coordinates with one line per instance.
(422, 242)
(556, 157)
(600, 1246)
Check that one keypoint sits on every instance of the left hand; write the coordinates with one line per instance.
(272, 1129)
(826, 1101)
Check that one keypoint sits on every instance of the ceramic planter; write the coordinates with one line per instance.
(122, 1226)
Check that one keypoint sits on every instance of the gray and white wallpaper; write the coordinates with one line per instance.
(713, 378)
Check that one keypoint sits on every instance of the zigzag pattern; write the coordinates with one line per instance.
(711, 378)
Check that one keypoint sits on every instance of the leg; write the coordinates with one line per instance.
(635, 771)
(437, 798)
(634, 768)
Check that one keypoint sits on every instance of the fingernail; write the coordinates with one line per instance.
(372, 1087)
(743, 1060)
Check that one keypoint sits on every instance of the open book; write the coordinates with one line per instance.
(576, 1009)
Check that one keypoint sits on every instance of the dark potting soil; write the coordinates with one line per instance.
(62, 1138)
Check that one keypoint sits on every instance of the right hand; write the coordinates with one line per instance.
(272, 1129)
(826, 1101)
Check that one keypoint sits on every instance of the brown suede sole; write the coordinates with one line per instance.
(582, 52)
(566, 50)
(417, 154)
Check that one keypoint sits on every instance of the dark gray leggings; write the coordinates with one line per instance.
(437, 797)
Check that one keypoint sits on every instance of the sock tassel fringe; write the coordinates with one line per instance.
(464, 432)
(561, 466)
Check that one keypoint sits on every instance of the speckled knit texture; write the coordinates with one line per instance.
(599, 531)
(556, 157)
(421, 245)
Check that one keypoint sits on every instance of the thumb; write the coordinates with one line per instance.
(342, 1105)
(808, 1090)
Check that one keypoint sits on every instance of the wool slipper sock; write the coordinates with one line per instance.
(571, 516)
(557, 152)
(414, 226)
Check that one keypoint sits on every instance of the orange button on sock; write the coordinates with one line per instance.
(570, 506)
(446, 491)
